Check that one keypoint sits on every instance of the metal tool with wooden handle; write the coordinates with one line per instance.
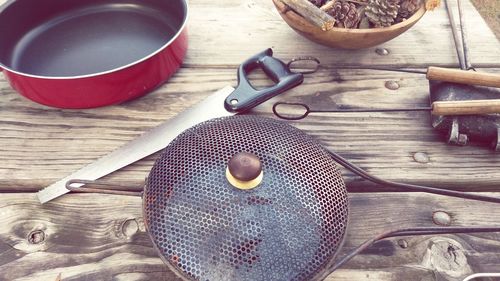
(463, 76)
(452, 75)
(298, 111)
(465, 107)
(465, 112)
(460, 129)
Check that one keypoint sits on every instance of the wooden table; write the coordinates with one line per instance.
(102, 237)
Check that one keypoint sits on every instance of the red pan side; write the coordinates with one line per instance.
(106, 89)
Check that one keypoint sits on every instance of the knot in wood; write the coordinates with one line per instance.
(36, 237)
(447, 256)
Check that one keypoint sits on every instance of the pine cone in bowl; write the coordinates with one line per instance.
(381, 15)
(345, 14)
(407, 8)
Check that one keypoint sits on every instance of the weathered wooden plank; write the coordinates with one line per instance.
(93, 237)
(227, 32)
(259, 26)
(40, 145)
(102, 237)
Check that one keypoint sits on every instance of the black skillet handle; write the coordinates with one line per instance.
(245, 97)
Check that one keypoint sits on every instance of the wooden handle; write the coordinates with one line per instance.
(466, 107)
(463, 76)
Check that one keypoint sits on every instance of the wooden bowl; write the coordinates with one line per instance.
(344, 37)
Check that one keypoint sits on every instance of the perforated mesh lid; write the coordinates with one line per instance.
(287, 228)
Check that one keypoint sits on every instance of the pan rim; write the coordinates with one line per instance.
(101, 73)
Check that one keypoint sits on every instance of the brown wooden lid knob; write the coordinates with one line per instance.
(244, 170)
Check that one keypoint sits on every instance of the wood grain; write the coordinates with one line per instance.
(40, 145)
(258, 24)
(227, 32)
(90, 237)
(102, 237)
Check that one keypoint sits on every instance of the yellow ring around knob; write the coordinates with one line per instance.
(244, 185)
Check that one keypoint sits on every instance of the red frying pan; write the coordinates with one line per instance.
(90, 53)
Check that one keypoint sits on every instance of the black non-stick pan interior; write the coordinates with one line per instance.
(72, 38)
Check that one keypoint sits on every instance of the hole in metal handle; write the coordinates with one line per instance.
(291, 111)
(304, 65)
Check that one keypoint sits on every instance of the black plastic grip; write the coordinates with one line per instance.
(245, 97)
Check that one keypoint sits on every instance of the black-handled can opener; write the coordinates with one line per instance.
(245, 97)
(225, 102)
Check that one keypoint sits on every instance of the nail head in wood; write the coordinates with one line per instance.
(392, 85)
(441, 218)
(421, 157)
(382, 51)
(130, 227)
(403, 243)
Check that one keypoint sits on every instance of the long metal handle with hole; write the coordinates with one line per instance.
(466, 107)
(463, 76)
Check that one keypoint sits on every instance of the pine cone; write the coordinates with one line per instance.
(407, 8)
(345, 14)
(318, 3)
(382, 13)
